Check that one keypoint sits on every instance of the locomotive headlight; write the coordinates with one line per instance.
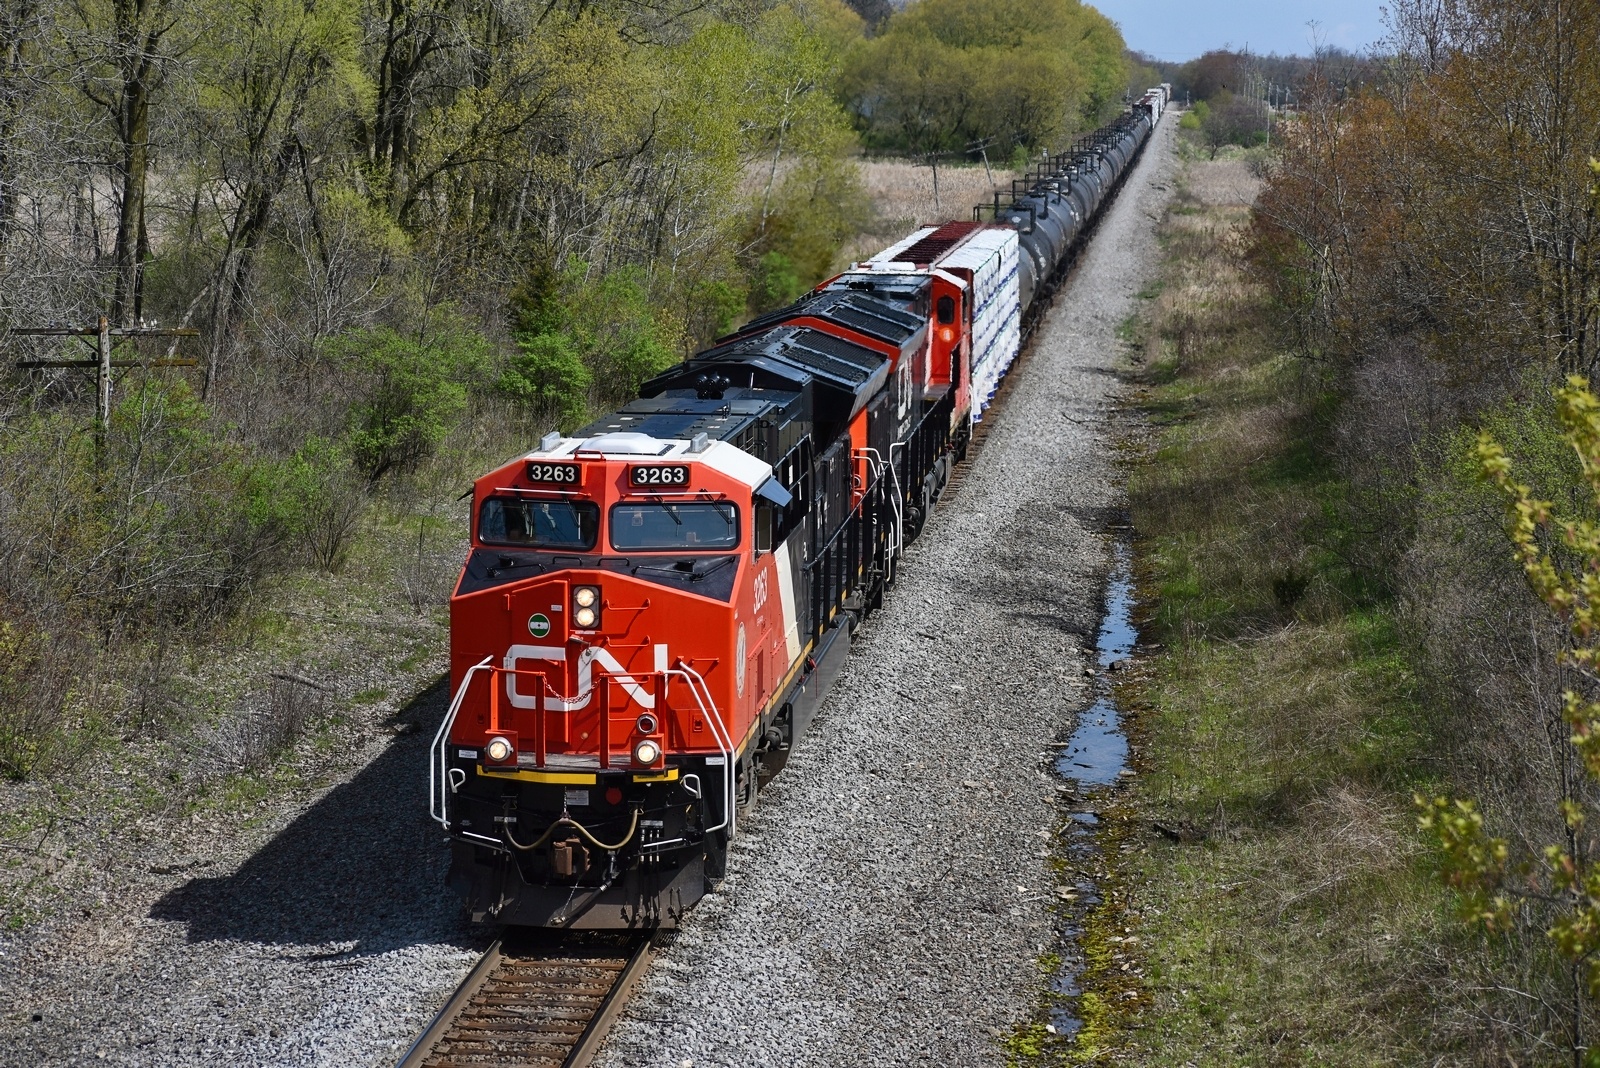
(646, 752)
(586, 607)
(647, 724)
(499, 750)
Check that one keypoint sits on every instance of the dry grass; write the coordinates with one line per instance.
(250, 738)
(902, 198)
(1226, 183)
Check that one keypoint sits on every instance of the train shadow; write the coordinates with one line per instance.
(359, 872)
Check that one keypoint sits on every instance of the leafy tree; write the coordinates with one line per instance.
(549, 373)
(777, 281)
(273, 76)
(583, 335)
(947, 73)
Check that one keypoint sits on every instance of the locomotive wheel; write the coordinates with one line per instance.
(914, 520)
(745, 787)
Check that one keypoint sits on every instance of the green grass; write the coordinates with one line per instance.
(1296, 920)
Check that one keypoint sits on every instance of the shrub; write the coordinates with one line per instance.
(409, 393)
(324, 499)
(585, 336)
(549, 372)
(795, 246)
(777, 281)
(34, 687)
(250, 738)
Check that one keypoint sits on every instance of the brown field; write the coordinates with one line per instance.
(903, 199)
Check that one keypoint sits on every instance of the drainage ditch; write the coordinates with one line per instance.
(1093, 760)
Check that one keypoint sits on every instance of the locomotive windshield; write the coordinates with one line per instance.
(537, 524)
(691, 526)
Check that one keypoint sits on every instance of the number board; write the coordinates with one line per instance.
(560, 474)
(659, 475)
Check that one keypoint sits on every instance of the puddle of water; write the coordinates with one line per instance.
(1098, 751)
(1094, 757)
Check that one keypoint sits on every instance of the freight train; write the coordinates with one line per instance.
(654, 608)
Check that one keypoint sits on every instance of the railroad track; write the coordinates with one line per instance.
(535, 1000)
(542, 999)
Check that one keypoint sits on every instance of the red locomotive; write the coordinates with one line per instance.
(654, 608)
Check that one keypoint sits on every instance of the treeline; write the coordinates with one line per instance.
(412, 235)
(1221, 70)
(998, 77)
(1235, 97)
(1431, 242)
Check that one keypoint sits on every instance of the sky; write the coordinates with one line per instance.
(1182, 29)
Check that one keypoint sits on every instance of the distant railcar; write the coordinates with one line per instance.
(654, 608)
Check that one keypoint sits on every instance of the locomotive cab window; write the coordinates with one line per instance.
(773, 502)
(659, 527)
(947, 309)
(536, 524)
(766, 526)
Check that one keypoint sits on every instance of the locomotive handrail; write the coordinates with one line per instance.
(825, 547)
(438, 773)
(899, 518)
(697, 685)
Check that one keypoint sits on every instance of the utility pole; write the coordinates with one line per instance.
(102, 363)
(982, 148)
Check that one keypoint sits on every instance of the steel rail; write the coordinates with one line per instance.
(546, 1004)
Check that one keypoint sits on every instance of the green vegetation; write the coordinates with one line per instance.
(1284, 909)
(945, 75)
(1559, 888)
(1350, 648)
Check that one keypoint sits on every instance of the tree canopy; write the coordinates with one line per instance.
(944, 75)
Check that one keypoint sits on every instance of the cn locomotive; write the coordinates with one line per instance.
(653, 608)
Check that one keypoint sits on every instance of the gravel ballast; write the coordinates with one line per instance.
(887, 902)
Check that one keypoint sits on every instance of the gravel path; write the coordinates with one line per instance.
(886, 903)
(889, 900)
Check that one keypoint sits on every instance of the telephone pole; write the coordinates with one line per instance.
(99, 338)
